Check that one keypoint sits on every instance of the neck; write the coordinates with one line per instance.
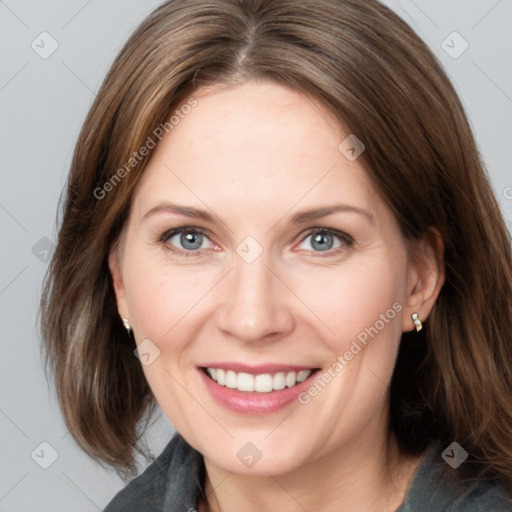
(368, 474)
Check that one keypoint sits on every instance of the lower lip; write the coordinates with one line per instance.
(253, 403)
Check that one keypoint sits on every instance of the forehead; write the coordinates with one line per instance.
(256, 145)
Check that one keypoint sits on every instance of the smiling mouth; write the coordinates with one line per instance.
(260, 383)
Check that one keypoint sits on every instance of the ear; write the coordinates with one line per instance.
(425, 277)
(117, 280)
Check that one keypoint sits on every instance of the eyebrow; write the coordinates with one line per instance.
(298, 218)
(318, 213)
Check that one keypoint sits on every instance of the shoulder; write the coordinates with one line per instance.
(172, 482)
(482, 496)
(437, 487)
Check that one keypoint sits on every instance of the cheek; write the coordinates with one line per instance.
(164, 304)
(162, 299)
(355, 301)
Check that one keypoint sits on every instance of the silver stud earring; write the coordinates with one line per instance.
(126, 324)
(417, 322)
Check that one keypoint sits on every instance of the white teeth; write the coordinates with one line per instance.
(278, 381)
(221, 377)
(231, 379)
(291, 379)
(263, 383)
(303, 375)
(245, 382)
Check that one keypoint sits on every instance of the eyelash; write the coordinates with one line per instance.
(346, 240)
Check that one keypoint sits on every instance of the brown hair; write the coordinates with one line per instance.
(453, 381)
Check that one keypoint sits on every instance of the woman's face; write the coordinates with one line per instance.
(287, 259)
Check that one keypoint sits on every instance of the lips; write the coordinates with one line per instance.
(254, 402)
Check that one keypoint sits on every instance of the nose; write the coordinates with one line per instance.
(255, 304)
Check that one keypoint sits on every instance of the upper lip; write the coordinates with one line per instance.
(257, 369)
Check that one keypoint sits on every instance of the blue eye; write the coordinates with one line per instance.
(186, 239)
(328, 241)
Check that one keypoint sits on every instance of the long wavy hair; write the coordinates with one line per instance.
(369, 68)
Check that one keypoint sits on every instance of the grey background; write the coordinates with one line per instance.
(43, 102)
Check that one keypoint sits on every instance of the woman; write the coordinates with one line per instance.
(278, 228)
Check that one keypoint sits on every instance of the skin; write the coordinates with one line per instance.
(254, 155)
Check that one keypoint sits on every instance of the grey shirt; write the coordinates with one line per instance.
(174, 483)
